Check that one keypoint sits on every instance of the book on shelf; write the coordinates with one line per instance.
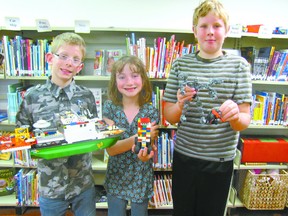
(272, 64)
(7, 181)
(279, 102)
(1, 58)
(261, 63)
(26, 187)
(15, 94)
(5, 155)
(283, 69)
(162, 187)
(271, 108)
(97, 92)
(263, 97)
(159, 57)
(249, 54)
(263, 108)
(275, 64)
(165, 146)
(109, 57)
(282, 60)
(98, 62)
(3, 115)
(26, 57)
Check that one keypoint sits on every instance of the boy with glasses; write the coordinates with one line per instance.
(66, 181)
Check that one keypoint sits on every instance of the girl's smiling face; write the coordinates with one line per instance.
(129, 83)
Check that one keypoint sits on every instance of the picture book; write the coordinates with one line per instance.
(249, 54)
(110, 56)
(7, 182)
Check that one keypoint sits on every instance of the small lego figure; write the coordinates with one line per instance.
(214, 117)
(144, 137)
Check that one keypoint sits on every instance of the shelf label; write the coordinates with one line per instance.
(43, 25)
(235, 31)
(12, 23)
(82, 26)
(265, 32)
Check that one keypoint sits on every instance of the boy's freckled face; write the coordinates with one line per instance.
(210, 33)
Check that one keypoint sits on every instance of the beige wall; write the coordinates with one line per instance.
(148, 14)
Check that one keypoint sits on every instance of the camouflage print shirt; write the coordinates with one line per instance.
(68, 176)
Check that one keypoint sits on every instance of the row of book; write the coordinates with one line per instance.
(25, 183)
(25, 57)
(26, 187)
(158, 58)
(269, 108)
(165, 148)
(23, 158)
(15, 94)
(162, 191)
(158, 103)
(268, 64)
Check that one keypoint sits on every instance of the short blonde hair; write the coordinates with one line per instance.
(69, 38)
(211, 6)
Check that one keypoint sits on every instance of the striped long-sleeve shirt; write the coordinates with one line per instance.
(217, 80)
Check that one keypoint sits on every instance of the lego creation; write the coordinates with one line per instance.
(74, 135)
(144, 136)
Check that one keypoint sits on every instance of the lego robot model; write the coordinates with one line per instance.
(144, 135)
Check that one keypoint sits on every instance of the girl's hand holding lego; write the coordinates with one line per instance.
(188, 95)
(143, 154)
(229, 111)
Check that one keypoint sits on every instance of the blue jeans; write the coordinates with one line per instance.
(83, 204)
(117, 207)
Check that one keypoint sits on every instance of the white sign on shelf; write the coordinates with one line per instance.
(235, 31)
(43, 25)
(82, 26)
(12, 23)
(265, 32)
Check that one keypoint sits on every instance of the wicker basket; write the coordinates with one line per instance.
(265, 191)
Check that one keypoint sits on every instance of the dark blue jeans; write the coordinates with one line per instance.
(83, 204)
(117, 207)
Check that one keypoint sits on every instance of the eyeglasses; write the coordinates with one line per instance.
(63, 57)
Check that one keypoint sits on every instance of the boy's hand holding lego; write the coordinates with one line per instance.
(229, 111)
(187, 94)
